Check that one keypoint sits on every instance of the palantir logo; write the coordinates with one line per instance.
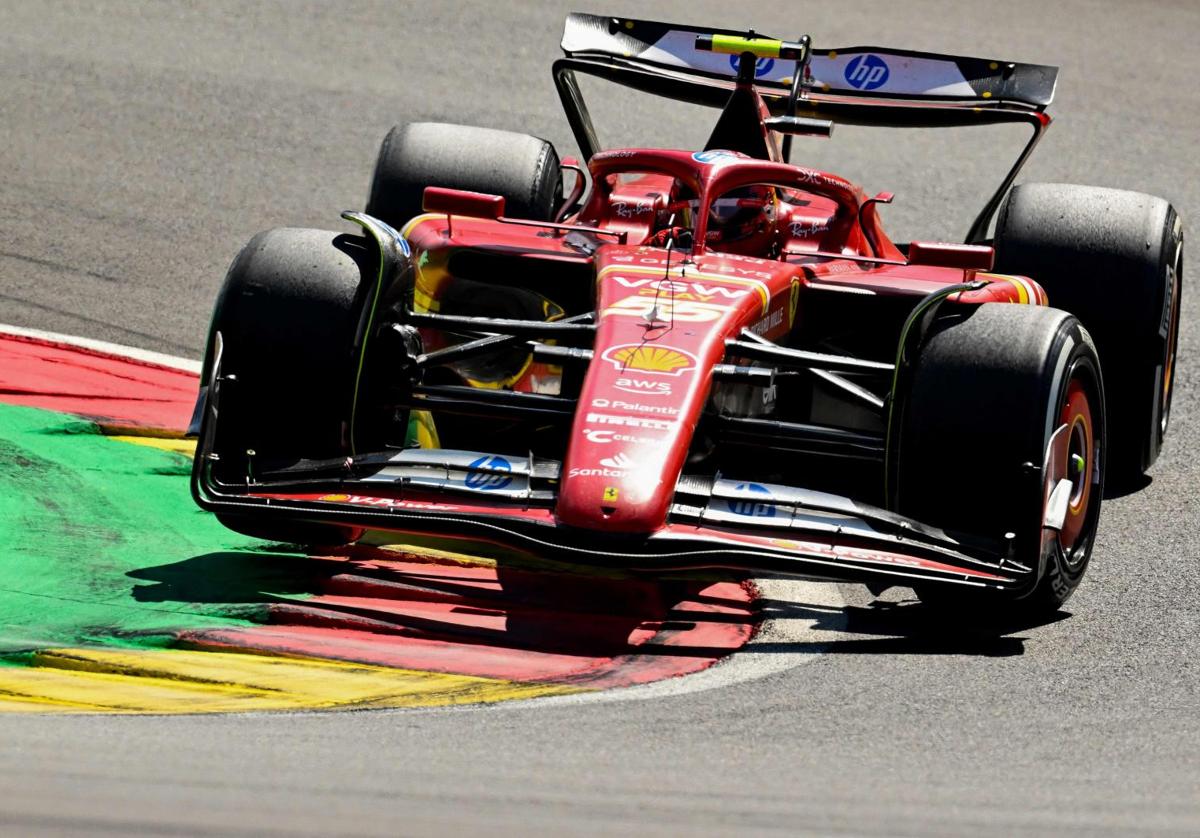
(867, 72)
(752, 508)
(488, 481)
(761, 67)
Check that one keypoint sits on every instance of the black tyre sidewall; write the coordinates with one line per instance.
(286, 314)
(1111, 271)
(991, 433)
(522, 169)
(1060, 573)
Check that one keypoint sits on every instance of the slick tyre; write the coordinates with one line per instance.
(1114, 259)
(990, 389)
(286, 316)
(520, 168)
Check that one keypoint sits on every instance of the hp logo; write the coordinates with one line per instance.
(751, 508)
(488, 481)
(867, 72)
(761, 67)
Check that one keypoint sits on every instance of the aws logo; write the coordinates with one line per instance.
(656, 360)
(643, 387)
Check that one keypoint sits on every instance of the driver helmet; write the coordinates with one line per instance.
(743, 221)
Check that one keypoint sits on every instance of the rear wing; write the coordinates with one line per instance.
(874, 72)
(872, 86)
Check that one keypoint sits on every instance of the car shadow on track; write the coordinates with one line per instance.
(1114, 489)
(898, 626)
(382, 600)
(235, 577)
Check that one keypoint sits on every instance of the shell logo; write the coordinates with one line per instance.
(657, 360)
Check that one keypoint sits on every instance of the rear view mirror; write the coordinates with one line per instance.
(967, 257)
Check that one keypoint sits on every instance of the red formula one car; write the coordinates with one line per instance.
(704, 358)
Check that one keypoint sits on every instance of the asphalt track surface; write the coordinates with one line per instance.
(143, 143)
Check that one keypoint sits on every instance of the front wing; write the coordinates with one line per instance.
(762, 529)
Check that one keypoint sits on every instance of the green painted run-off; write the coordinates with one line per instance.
(100, 542)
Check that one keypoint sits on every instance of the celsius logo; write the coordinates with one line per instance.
(487, 481)
(752, 508)
(605, 437)
(867, 72)
(761, 67)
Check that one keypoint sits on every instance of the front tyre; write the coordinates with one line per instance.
(287, 314)
(991, 390)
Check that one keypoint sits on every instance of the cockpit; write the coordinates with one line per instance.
(722, 201)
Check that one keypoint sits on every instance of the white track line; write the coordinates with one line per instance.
(766, 654)
(107, 348)
(782, 642)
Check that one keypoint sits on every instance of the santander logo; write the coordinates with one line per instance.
(619, 460)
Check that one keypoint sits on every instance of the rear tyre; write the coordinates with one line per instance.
(1114, 259)
(287, 315)
(520, 168)
(989, 389)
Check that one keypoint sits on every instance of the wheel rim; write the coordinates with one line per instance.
(1175, 278)
(1081, 467)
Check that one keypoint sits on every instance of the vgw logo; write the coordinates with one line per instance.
(488, 481)
(752, 508)
(761, 67)
(867, 72)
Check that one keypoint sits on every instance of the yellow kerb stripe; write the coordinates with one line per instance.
(187, 447)
(182, 681)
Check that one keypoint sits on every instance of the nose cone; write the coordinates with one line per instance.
(658, 337)
(631, 434)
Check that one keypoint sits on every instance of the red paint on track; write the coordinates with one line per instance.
(95, 385)
(503, 623)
